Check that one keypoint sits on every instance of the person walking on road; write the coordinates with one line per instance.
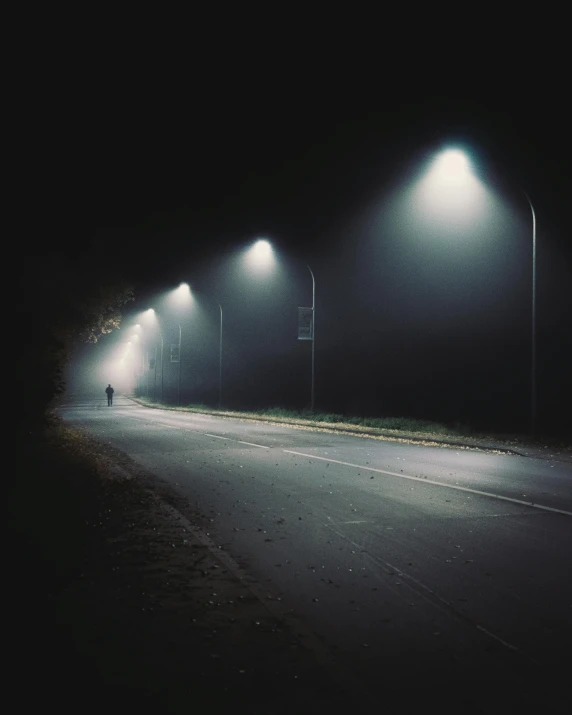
(109, 391)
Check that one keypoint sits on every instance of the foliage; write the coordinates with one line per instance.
(62, 301)
(102, 313)
(397, 424)
(404, 424)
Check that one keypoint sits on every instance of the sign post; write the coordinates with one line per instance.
(305, 323)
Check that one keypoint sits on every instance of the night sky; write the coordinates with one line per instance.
(169, 183)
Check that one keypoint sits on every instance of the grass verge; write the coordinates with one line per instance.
(405, 428)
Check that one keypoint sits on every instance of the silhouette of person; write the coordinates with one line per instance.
(109, 391)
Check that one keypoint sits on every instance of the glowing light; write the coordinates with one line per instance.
(262, 250)
(181, 296)
(148, 318)
(452, 165)
(260, 256)
(449, 194)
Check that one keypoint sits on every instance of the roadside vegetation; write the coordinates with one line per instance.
(283, 414)
(400, 427)
(353, 423)
(396, 424)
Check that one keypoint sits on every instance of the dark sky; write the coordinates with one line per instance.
(167, 180)
(231, 161)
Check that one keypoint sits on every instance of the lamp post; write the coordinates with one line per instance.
(219, 401)
(452, 165)
(184, 293)
(220, 359)
(147, 369)
(155, 374)
(162, 361)
(312, 392)
(175, 297)
(262, 253)
(179, 378)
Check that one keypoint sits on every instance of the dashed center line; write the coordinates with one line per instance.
(434, 482)
(206, 434)
(230, 439)
(532, 505)
(252, 444)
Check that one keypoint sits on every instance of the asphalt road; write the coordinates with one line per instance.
(426, 571)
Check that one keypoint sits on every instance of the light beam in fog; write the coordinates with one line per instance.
(260, 257)
(449, 194)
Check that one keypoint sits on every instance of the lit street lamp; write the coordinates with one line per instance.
(451, 177)
(313, 333)
(261, 255)
(183, 294)
(126, 366)
(162, 355)
(220, 360)
(149, 322)
(185, 286)
(179, 378)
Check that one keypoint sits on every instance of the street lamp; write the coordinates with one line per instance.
(179, 377)
(179, 296)
(135, 354)
(451, 172)
(148, 321)
(188, 288)
(155, 377)
(261, 255)
(127, 364)
(312, 400)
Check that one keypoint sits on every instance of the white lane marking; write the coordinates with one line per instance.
(252, 444)
(230, 439)
(432, 481)
(206, 434)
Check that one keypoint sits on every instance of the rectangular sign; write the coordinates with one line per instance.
(305, 323)
(174, 352)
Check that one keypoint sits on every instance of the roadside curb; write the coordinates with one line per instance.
(380, 434)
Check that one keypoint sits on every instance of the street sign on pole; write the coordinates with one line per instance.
(305, 323)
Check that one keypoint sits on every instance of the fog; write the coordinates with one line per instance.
(423, 309)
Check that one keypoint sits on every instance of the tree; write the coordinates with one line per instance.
(61, 302)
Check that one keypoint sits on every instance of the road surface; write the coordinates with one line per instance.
(417, 570)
